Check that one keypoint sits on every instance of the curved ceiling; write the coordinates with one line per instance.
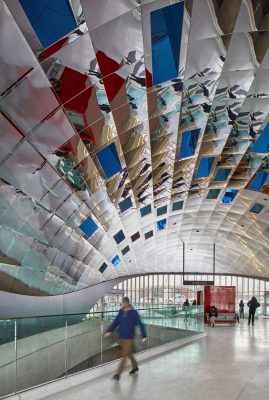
(127, 128)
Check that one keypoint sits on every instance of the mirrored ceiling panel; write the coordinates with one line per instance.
(130, 128)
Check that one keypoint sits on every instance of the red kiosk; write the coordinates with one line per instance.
(222, 297)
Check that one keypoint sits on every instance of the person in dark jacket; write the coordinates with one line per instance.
(186, 306)
(241, 309)
(253, 304)
(126, 322)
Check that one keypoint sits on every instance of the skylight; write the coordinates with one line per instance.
(135, 236)
(88, 227)
(166, 31)
(50, 23)
(109, 160)
(229, 196)
(148, 234)
(103, 268)
(262, 143)
(126, 204)
(205, 167)
(222, 174)
(177, 205)
(189, 142)
(259, 181)
(125, 250)
(161, 224)
(115, 261)
(161, 210)
(145, 210)
(213, 193)
(119, 237)
(256, 208)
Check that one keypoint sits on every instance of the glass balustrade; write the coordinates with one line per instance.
(34, 351)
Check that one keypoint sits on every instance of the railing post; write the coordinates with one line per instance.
(102, 332)
(214, 260)
(66, 337)
(15, 348)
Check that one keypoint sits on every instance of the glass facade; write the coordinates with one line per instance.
(169, 289)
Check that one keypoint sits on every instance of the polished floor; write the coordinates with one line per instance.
(231, 363)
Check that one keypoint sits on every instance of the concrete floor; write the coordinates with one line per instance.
(230, 363)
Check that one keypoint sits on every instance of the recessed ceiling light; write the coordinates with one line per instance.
(242, 225)
(265, 199)
(197, 231)
(174, 223)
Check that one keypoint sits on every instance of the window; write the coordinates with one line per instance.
(145, 210)
(148, 234)
(166, 31)
(222, 174)
(205, 167)
(177, 205)
(103, 268)
(256, 208)
(229, 196)
(213, 193)
(259, 181)
(161, 210)
(125, 250)
(135, 236)
(88, 227)
(119, 237)
(115, 261)
(161, 224)
(109, 160)
(189, 142)
(126, 204)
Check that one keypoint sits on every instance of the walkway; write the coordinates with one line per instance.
(230, 363)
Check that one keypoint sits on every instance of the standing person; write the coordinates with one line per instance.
(253, 304)
(241, 309)
(186, 303)
(126, 322)
(194, 302)
(186, 306)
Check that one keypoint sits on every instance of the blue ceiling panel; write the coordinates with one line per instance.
(229, 196)
(189, 142)
(109, 160)
(50, 19)
(259, 181)
(166, 31)
(205, 167)
(89, 227)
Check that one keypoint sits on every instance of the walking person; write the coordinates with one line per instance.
(253, 304)
(126, 322)
(241, 309)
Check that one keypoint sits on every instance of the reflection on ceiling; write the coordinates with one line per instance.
(128, 127)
